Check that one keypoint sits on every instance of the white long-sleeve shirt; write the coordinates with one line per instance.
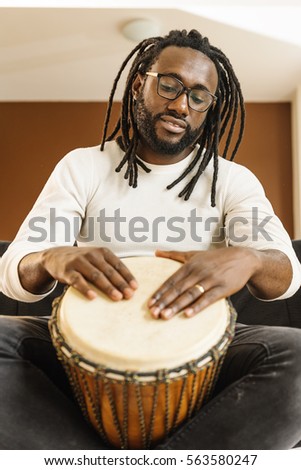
(86, 199)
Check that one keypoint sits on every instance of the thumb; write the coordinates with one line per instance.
(181, 256)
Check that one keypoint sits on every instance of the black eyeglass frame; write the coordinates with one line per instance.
(184, 90)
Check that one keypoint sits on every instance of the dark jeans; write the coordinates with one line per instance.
(257, 402)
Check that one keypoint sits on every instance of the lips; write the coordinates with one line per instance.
(172, 124)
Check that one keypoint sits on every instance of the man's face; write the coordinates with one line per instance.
(170, 127)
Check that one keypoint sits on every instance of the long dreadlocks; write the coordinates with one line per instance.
(220, 118)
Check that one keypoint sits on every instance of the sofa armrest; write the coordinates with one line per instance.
(10, 306)
(252, 311)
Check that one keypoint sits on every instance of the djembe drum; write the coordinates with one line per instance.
(137, 378)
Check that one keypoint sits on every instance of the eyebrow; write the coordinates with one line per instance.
(197, 85)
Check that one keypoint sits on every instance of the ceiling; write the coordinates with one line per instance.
(73, 54)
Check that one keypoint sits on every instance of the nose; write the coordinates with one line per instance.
(180, 104)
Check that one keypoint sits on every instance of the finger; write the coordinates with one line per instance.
(95, 276)
(116, 273)
(180, 256)
(185, 290)
(121, 268)
(209, 297)
(173, 287)
(107, 278)
(76, 280)
(185, 300)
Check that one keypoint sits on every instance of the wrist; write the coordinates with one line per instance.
(33, 275)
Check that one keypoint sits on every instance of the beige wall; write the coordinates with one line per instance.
(34, 136)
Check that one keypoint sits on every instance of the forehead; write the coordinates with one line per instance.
(193, 66)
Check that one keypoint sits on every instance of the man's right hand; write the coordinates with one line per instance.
(77, 266)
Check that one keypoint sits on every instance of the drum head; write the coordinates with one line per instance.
(123, 335)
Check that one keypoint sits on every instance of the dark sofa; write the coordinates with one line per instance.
(250, 310)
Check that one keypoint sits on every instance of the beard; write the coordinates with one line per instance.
(146, 124)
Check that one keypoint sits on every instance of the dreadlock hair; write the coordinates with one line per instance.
(220, 118)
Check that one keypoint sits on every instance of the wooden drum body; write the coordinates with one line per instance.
(136, 378)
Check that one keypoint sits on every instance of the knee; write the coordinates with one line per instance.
(13, 330)
(8, 329)
(287, 348)
(285, 361)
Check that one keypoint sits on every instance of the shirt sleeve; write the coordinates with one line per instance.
(55, 219)
(250, 221)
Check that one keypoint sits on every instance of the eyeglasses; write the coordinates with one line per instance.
(170, 87)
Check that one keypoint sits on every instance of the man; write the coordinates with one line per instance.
(180, 98)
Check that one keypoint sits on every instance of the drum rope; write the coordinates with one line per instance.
(140, 411)
(166, 381)
(201, 394)
(125, 396)
(91, 402)
(180, 403)
(72, 376)
(215, 354)
(154, 408)
(192, 400)
(88, 396)
(114, 412)
(222, 353)
(98, 398)
(74, 380)
(228, 336)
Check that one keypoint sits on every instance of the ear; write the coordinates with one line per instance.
(137, 85)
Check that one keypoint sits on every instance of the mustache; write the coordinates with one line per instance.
(173, 114)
